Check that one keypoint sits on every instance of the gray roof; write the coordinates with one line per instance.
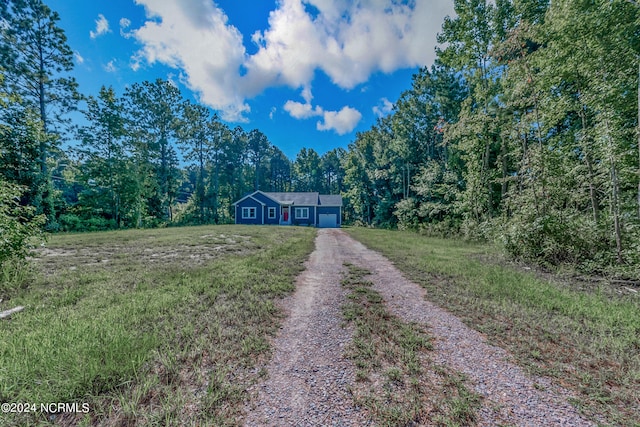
(306, 199)
(330, 200)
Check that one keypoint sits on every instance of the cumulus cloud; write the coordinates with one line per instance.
(195, 37)
(346, 40)
(342, 122)
(383, 108)
(299, 110)
(102, 27)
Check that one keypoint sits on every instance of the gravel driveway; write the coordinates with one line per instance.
(308, 376)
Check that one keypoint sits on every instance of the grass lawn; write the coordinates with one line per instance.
(588, 338)
(159, 326)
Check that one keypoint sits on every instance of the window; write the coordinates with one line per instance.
(272, 213)
(248, 213)
(302, 213)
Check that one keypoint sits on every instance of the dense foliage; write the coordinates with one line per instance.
(525, 130)
(18, 224)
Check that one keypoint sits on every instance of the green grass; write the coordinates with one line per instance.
(395, 378)
(589, 339)
(158, 326)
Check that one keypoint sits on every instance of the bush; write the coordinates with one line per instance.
(70, 222)
(554, 239)
(99, 224)
(18, 224)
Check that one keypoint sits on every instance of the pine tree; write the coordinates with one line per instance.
(36, 61)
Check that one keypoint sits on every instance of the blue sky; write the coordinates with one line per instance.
(308, 73)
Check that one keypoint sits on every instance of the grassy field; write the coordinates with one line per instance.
(159, 326)
(585, 335)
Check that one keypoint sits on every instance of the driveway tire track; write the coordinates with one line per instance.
(309, 377)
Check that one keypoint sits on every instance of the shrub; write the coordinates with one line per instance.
(70, 222)
(18, 224)
(553, 239)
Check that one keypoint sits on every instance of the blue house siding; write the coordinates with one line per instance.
(249, 203)
(269, 203)
(329, 210)
(322, 209)
(295, 220)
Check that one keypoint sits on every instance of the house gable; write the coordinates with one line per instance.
(249, 211)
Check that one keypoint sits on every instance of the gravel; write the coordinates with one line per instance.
(308, 376)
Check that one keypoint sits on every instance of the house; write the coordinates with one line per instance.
(312, 208)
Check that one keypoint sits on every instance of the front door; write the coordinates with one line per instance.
(285, 218)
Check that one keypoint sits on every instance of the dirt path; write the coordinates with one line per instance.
(308, 376)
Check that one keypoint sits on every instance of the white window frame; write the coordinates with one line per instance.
(300, 215)
(272, 213)
(249, 213)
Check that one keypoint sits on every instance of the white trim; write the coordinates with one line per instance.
(247, 215)
(301, 210)
(271, 209)
(250, 196)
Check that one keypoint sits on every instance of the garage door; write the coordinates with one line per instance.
(327, 220)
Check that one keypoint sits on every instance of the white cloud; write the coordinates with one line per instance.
(102, 27)
(110, 67)
(299, 110)
(343, 121)
(193, 35)
(383, 108)
(346, 40)
(79, 58)
(124, 25)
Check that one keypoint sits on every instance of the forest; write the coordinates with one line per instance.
(525, 131)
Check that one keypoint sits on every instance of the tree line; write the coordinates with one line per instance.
(144, 158)
(525, 131)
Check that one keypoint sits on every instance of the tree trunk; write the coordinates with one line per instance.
(616, 211)
(638, 130)
(587, 157)
(503, 161)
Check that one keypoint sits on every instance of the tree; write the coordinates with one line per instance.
(307, 172)
(36, 60)
(104, 151)
(469, 38)
(333, 175)
(258, 146)
(21, 136)
(281, 171)
(155, 119)
(194, 142)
